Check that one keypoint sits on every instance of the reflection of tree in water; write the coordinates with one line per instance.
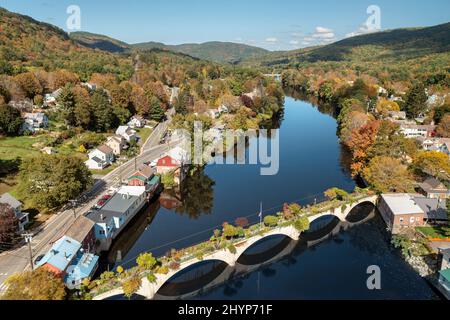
(197, 195)
(273, 123)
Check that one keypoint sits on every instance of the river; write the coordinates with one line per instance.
(311, 161)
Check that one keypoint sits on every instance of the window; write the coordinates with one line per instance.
(412, 220)
(402, 220)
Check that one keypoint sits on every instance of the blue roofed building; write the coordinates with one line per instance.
(68, 260)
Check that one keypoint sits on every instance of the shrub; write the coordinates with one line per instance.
(163, 270)
(271, 221)
(151, 278)
(232, 249)
(302, 224)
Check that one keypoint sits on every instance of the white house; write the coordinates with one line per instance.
(34, 121)
(127, 133)
(50, 98)
(137, 122)
(16, 205)
(117, 144)
(416, 131)
(100, 158)
(436, 144)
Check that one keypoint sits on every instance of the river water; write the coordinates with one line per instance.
(311, 161)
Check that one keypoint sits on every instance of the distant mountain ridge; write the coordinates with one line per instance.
(216, 51)
(394, 44)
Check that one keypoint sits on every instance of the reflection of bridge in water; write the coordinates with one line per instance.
(221, 273)
(227, 266)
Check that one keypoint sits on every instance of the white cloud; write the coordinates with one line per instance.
(323, 30)
(272, 40)
(328, 35)
(363, 29)
(294, 42)
(239, 39)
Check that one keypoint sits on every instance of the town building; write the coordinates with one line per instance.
(397, 115)
(401, 211)
(82, 230)
(175, 161)
(127, 133)
(145, 177)
(16, 205)
(117, 144)
(433, 188)
(435, 209)
(118, 211)
(416, 131)
(33, 122)
(137, 122)
(50, 99)
(68, 260)
(100, 158)
(436, 144)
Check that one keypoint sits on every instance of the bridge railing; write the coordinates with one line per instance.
(209, 247)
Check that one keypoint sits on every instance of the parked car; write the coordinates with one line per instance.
(38, 259)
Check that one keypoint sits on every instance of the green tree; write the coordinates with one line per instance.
(302, 224)
(49, 181)
(104, 116)
(10, 120)
(271, 221)
(146, 261)
(336, 193)
(416, 99)
(229, 231)
(39, 284)
(156, 111)
(67, 102)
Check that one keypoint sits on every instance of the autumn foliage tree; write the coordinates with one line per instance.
(8, 225)
(433, 163)
(386, 174)
(39, 284)
(360, 141)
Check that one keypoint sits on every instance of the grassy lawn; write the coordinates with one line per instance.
(20, 147)
(438, 232)
(144, 133)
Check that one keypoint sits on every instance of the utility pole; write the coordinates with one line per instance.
(73, 203)
(28, 237)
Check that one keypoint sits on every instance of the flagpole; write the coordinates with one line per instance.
(260, 216)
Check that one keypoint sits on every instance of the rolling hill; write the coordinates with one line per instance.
(222, 52)
(98, 41)
(391, 45)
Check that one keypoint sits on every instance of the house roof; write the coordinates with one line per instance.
(168, 161)
(61, 254)
(433, 185)
(145, 172)
(118, 204)
(80, 229)
(434, 209)
(10, 200)
(83, 267)
(446, 274)
(402, 203)
(105, 149)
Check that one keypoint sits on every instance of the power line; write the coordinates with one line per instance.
(218, 226)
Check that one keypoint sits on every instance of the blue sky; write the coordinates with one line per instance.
(274, 25)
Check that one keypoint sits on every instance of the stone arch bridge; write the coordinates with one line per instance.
(149, 290)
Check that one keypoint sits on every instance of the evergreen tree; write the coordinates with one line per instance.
(67, 103)
(416, 99)
(10, 120)
(104, 117)
(156, 111)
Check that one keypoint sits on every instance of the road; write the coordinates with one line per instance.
(55, 227)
